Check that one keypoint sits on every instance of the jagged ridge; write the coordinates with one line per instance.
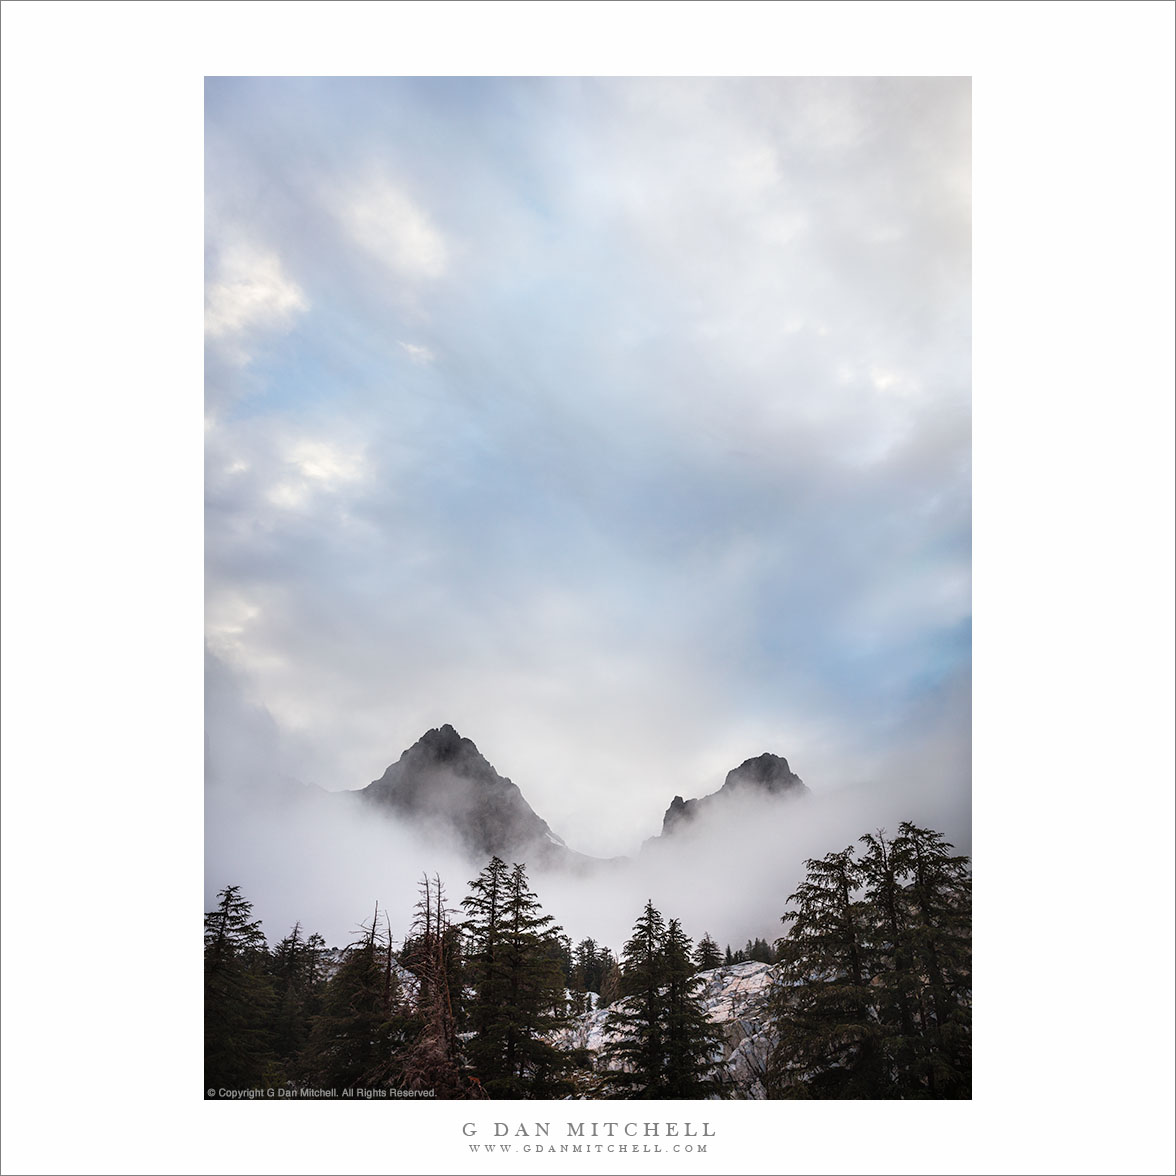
(445, 784)
(767, 774)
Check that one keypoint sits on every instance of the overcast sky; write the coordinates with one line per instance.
(623, 424)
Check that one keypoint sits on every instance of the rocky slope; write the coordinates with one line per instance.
(764, 775)
(445, 786)
(732, 995)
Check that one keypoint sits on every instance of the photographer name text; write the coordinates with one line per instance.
(627, 1137)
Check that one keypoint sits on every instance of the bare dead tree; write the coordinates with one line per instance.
(433, 1061)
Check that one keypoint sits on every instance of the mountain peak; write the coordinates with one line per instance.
(766, 774)
(445, 784)
(444, 743)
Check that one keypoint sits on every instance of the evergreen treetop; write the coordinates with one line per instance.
(662, 1042)
(874, 993)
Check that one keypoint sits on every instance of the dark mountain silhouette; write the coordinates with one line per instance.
(446, 788)
(764, 775)
(444, 784)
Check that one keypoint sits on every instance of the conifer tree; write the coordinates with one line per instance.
(707, 954)
(587, 969)
(561, 949)
(939, 898)
(827, 1044)
(662, 1044)
(611, 982)
(759, 951)
(363, 1026)
(691, 1041)
(895, 983)
(638, 1051)
(875, 992)
(518, 1002)
(297, 976)
(484, 953)
(238, 995)
(557, 949)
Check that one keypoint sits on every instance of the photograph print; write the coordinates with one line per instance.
(587, 588)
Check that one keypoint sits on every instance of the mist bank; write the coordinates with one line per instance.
(326, 859)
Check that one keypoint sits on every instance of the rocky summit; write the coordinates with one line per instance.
(446, 788)
(765, 775)
(445, 785)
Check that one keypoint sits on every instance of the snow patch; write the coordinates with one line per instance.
(733, 996)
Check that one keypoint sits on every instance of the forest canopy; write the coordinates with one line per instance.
(867, 995)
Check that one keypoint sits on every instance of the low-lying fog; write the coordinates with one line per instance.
(302, 854)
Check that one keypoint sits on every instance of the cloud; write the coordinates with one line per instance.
(301, 854)
(250, 292)
(383, 221)
(311, 466)
(692, 480)
(417, 353)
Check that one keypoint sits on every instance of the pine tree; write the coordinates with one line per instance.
(875, 992)
(827, 1044)
(561, 949)
(358, 1037)
(707, 955)
(662, 1043)
(238, 995)
(587, 967)
(919, 900)
(611, 983)
(939, 898)
(894, 981)
(638, 1051)
(691, 1041)
(486, 972)
(296, 972)
(514, 954)
(759, 951)
(558, 950)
